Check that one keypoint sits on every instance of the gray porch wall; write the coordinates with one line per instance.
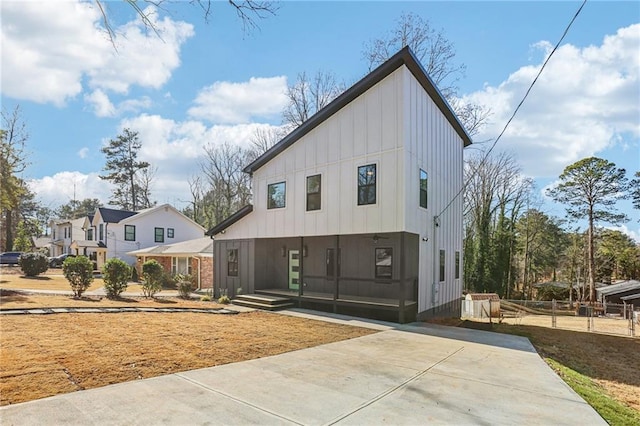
(224, 284)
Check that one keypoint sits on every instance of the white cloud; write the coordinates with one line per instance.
(48, 48)
(54, 191)
(585, 99)
(99, 102)
(231, 103)
(83, 152)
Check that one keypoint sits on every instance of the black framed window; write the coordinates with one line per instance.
(276, 193)
(129, 232)
(384, 262)
(367, 184)
(159, 235)
(313, 192)
(170, 232)
(89, 234)
(457, 264)
(442, 265)
(232, 262)
(423, 188)
(101, 231)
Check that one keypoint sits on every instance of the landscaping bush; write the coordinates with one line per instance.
(224, 300)
(33, 264)
(185, 285)
(79, 272)
(168, 281)
(116, 275)
(152, 274)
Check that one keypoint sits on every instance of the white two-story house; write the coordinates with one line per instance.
(116, 232)
(63, 233)
(358, 210)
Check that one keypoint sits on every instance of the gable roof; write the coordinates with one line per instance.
(403, 57)
(620, 287)
(167, 207)
(113, 215)
(199, 246)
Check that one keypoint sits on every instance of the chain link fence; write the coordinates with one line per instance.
(608, 318)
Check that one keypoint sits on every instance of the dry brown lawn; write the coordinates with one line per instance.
(11, 277)
(612, 361)
(69, 352)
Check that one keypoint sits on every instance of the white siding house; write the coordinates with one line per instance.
(118, 232)
(339, 218)
(63, 233)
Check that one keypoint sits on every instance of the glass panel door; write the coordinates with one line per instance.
(294, 269)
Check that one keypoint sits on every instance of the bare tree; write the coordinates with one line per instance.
(13, 161)
(437, 54)
(229, 185)
(249, 12)
(309, 95)
(263, 139)
(144, 181)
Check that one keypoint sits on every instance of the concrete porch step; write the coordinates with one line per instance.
(259, 301)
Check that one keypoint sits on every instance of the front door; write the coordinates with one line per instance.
(294, 269)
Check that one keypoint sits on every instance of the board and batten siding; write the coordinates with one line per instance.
(433, 146)
(366, 131)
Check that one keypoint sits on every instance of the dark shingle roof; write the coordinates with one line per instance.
(114, 216)
(403, 57)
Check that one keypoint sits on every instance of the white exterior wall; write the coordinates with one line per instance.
(163, 217)
(366, 131)
(435, 147)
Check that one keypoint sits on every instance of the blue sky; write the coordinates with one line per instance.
(212, 82)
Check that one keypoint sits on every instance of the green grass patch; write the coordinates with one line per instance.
(612, 411)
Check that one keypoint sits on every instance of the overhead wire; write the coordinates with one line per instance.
(515, 111)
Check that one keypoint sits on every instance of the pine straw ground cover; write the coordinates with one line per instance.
(45, 355)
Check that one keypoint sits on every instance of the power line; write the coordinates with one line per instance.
(515, 111)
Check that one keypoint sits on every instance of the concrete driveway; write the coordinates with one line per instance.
(412, 374)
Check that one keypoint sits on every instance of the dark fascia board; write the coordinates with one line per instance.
(403, 57)
(230, 220)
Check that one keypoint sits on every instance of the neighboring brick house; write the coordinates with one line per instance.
(193, 257)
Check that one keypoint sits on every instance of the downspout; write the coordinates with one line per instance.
(213, 272)
(436, 256)
(199, 266)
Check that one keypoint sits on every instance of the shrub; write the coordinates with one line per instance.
(205, 298)
(168, 281)
(152, 274)
(185, 285)
(224, 300)
(79, 272)
(33, 264)
(116, 275)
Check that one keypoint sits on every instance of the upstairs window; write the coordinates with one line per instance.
(232, 262)
(159, 235)
(276, 195)
(384, 262)
(423, 188)
(89, 234)
(101, 232)
(313, 192)
(170, 232)
(457, 264)
(129, 233)
(367, 184)
(442, 259)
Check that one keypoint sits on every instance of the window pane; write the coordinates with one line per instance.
(169, 232)
(276, 195)
(457, 264)
(129, 233)
(441, 265)
(232, 262)
(384, 260)
(367, 184)
(159, 235)
(423, 188)
(313, 192)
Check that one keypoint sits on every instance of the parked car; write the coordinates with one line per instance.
(10, 257)
(56, 262)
